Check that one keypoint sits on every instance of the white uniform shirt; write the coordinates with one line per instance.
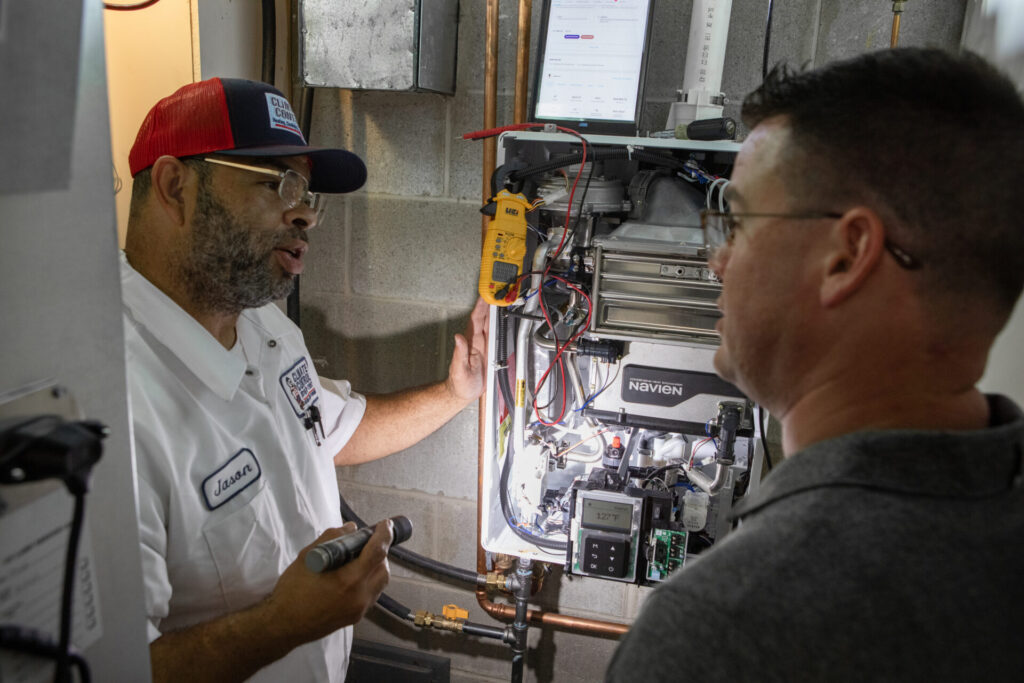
(231, 482)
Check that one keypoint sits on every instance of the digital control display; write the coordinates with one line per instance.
(593, 58)
(606, 515)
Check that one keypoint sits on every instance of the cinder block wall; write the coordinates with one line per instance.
(392, 275)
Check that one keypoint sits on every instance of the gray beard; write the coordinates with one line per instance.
(228, 268)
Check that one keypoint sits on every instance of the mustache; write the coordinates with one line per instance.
(290, 235)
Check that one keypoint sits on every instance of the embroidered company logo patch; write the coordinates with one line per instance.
(239, 472)
(298, 387)
(281, 116)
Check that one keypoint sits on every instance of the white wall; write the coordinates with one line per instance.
(61, 320)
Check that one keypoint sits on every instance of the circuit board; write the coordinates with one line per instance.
(667, 553)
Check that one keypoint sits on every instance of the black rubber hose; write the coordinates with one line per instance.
(658, 159)
(416, 559)
(599, 155)
(567, 160)
(388, 603)
(66, 660)
(484, 631)
(395, 607)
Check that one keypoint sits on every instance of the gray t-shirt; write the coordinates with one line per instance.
(876, 556)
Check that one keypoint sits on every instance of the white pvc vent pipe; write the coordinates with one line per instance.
(705, 57)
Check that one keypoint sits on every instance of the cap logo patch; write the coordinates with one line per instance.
(298, 387)
(281, 117)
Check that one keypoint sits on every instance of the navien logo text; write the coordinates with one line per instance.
(648, 386)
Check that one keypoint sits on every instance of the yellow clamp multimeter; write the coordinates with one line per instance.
(501, 262)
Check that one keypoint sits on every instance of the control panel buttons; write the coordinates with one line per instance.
(605, 557)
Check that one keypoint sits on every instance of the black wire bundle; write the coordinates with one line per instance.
(61, 450)
(559, 546)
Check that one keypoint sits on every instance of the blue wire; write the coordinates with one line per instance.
(591, 399)
(601, 391)
(546, 284)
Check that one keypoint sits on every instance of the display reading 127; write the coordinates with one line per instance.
(501, 261)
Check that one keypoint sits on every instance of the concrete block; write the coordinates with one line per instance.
(415, 250)
(794, 29)
(670, 34)
(443, 464)
(400, 137)
(655, 115)
(331, 123)
(636, 596)
(379, 346)
(466, 175)
(327, 259)
(455, 535)
(850, 28)
(373, 504)
(582, 596)
(568, 657)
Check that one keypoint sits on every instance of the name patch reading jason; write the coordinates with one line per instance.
(238, 473)
(298, 387)
(281, 116)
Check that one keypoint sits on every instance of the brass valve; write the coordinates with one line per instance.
(429, 620)
(498, 581)
(451, 618)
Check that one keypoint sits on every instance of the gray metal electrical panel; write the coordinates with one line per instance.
(404, 45)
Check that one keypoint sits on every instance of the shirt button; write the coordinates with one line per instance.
(248, 372)
(272, 343)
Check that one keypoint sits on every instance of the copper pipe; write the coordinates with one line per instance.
(522, 60)
(897, 10)
(490, 101)
(541, 618)
(490, 157)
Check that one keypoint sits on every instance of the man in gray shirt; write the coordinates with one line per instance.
(872, 252)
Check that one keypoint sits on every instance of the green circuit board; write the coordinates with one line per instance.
(667, 553)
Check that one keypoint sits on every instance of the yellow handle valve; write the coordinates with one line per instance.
(454, 612)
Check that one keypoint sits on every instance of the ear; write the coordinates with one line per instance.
(169, 177)
(855, 248)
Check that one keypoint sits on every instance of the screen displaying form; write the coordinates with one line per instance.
(592, 62)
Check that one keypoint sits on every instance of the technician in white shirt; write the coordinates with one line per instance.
(236, 437)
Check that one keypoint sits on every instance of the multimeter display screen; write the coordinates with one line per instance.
(607, 515)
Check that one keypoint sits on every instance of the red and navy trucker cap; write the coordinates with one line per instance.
(240, 118)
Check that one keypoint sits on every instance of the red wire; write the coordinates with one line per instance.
(491, 132)
(565, 233)
(561, 349)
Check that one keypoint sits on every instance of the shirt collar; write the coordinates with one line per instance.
(216, 367)
(965, 464)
